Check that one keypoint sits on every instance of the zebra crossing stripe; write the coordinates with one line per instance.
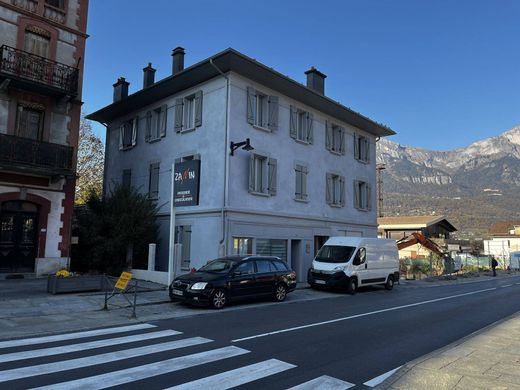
(237, 377)
(324, 382)
(10, 357)
(70, 336)
(133, 374)
(49, 368)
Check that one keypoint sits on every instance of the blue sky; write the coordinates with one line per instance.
(441, 73)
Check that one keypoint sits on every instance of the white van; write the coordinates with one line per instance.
(351, 262)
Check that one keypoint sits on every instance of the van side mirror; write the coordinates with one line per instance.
(356, 261)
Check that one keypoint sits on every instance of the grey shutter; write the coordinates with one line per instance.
(272, 176)
(164, 120)
(310, 120)
(179, 105)
(328, 136)
(356, 147)
(273, 113)
(305, 171)
(153, 191)
(329, 189)
(121, 136)
(252, 173)
(342, 191)
(369, 197)
(293, 122)
(148, 126)
(198, 108)
(356, 194)
(250, 105)
(342, 140)
(298, 193)
(367, 150)
(134, 131)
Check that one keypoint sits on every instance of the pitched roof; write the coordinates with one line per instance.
(502, 228)
(414, 222)
(232, 60)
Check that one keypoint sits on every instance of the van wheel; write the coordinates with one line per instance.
(218, 299)
(280, 293)
(352, 286)
(389, 283)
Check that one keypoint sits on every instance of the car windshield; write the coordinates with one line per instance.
(219, 265)
(335, 254)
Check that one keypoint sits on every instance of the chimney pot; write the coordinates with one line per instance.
(177, 60)
(316, 80)
(148, 76)
(120, 89)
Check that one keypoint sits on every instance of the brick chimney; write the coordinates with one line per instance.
(177, 60)
(316, 80)
(120, 89)
(148, 76)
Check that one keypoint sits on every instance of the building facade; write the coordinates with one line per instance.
(42, 48)
(303, 169)
(505, 239)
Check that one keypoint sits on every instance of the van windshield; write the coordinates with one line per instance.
(335, 254)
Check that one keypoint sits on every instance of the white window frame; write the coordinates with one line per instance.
(301, 171)
(336, 144)
(362, 148)
(189, 113)
(261, 111)
(336, 190)
(362, 195)
(261, 174)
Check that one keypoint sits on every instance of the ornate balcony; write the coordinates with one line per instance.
(37, 73)
(24, 154)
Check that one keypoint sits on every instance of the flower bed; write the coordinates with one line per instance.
(82, 283)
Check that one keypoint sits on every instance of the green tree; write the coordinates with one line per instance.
(115, 231)
(90, 163)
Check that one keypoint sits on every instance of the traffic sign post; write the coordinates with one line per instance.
(121, 288)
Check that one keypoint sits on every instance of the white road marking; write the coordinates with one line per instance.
(379, 379)
(237, 377)
(49, 368)
(324, 382)
(359, 315)
(133, 374)
(506, 285)
(70, 336)
(9, 357)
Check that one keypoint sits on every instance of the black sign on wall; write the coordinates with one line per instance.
(186, 183)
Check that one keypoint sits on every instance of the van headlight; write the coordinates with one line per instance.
(198, 286)
(339, 269)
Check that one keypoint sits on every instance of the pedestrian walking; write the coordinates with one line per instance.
(494, 264)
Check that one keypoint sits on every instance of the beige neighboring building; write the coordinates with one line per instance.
(505, 238)
(434, 227)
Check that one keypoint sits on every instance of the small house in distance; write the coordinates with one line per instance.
(505, 238)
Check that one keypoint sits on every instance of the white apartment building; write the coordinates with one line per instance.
(306, 173)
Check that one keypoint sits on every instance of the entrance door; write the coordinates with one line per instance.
(18, 225)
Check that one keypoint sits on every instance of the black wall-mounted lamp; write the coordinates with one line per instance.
(246, 145)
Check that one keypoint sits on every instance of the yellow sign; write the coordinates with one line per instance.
(123, 280)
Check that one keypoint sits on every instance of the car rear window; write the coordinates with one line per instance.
(264, 266)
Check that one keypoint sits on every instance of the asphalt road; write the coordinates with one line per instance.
(349, 339)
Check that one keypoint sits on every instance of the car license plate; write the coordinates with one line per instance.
(319, 281)
(177, 292)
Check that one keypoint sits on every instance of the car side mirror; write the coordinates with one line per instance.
(237, 273)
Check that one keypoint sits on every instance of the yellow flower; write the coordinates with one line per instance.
(63, 273)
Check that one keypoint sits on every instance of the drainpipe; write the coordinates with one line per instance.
(223, 240)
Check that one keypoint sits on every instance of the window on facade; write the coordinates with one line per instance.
(334, 138)
(362, 195)
(188, 112)
(183, 236)
(29, 122)
(262, 110)
(361, 148)
(300, 192)
(301, 125)
(56, 3)
(37, 44)
(153, 182)
(272, 247)
(127, 178)
(128, 134)
(335, 195)
(242, 245)
(6, 228)
(262, 175)
(156, 123)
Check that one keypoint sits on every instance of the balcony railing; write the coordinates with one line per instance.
(38, 70)
(29, 154)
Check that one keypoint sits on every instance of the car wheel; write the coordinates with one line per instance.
(218, 299)
(352, 286)
(389, 283)
(280, 293)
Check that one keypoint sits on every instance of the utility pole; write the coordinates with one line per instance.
(380, 167)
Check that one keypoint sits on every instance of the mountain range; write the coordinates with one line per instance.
(473, 186)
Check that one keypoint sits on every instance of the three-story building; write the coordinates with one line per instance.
(279, 167)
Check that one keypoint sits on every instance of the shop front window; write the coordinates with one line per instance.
(270, 247)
